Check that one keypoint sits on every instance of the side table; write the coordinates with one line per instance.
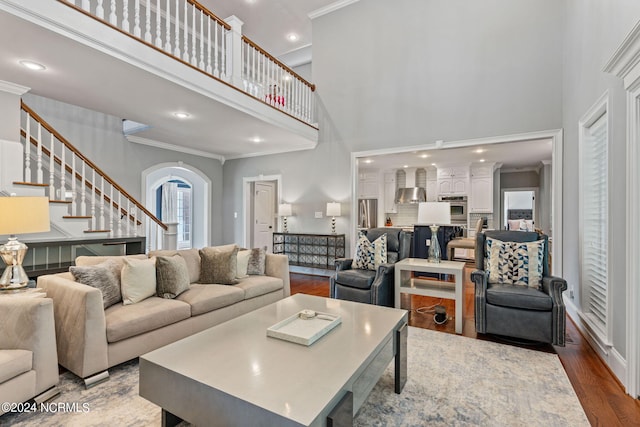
(404, 283)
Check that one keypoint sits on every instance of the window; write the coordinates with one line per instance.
(594, 203)
(182, 210)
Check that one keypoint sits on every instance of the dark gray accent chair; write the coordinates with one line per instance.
(517, 311)
(369, 286)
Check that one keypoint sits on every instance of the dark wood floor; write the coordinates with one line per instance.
(602, 397)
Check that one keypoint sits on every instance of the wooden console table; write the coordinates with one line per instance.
(310, 250)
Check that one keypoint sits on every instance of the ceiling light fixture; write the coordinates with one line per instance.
(182, 115)
(292, 37)
(368, 161)
(405, 166)
(256, 140)
(481, 160)
(424, 156)
(32, 65)
(433, 164)
(479, 150)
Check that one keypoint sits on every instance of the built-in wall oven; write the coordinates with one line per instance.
(458, 208)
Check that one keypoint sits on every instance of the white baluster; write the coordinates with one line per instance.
(100, 10)
(125, 16)
(127, 217)
(83, 192)
(73, 184)
(39, 156)
(111, 210)
(253, 70)
(63, 174)
(209, 69)
(147, 24)
(158, 25)
(86, 5)
(52, 188)
(136, 19)
(216, 57)
(27, 151)
(119, 214)
(176, 43)
(245, 68)
(102, 203)
(135, 221)
(113, 19)
(94, 187)
(185, 50)
(167, 28)
(201, 62)
(223, 54)
(194, 59)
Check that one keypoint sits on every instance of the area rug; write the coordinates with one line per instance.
(453, 381)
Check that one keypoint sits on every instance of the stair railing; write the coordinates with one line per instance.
(190, 33)
(102, 201)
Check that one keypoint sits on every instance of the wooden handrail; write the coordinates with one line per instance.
(274, 59)
(209, 13)
(89, 163)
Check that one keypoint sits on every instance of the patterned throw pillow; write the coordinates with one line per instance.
(369, 255)
(514, 262)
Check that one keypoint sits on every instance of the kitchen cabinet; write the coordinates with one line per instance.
(432, 185)
(389, 193)
(368, 185)
(453, 180)
(481, 191)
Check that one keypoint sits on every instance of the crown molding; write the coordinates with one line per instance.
(624, 60)
(330, 8)
(173, 147)
(13, 88)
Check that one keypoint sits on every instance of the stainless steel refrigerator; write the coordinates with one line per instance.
(367, 213)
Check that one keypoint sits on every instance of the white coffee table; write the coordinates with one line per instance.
(404, 283)
(235, 375)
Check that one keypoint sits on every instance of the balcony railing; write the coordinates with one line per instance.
(193, 35)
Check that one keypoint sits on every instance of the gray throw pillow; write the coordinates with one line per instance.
(100, 276)
(172, 276)
(257, 261)
(219, 265)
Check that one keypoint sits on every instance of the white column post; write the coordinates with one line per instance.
(234, 50)
(170, 237)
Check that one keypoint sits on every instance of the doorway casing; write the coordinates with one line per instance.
(247, 196)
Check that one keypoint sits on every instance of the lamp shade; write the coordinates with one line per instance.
(434, 213)
(22, 215)
(333, 209)
(284, 209)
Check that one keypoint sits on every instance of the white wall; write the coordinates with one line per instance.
(449, 70)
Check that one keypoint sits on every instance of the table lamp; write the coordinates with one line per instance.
(284, 210)
(436, 214)
(333, 210)
(20, 215)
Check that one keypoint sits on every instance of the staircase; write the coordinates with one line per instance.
(84, 201)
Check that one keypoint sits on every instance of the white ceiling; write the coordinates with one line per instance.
(523, 155)
(82, 76)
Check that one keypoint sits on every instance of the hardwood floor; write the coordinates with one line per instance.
(601, 395)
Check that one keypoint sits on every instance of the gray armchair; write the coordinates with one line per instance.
(369, 286)
(519, 311)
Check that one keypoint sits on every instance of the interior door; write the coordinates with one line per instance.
(263, 214)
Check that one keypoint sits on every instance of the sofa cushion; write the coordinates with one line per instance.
(254, 286)
(219, 264)
(243, 263)
(172, 276)
(125, 321)
(102, 276)
(14, 363)
(257, 261)
(138, 280)
(361, 279)
(191, 258)
(205, 298)
(518, 297)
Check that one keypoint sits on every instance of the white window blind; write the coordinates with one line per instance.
(595, 222)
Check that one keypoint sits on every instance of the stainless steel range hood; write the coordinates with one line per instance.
(410, 193)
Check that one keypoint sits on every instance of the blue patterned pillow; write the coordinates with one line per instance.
(369, 255)
(515, 263)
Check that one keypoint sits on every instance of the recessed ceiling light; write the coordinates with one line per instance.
(433, 164)
(368, 161)
(481, 160)
(256, 140)
(292, 37)
(424, 156)
(182, 115)
(479, 150)
(405, 166)
(32, 65)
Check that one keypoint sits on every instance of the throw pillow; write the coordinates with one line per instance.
(514, 224)
(138, 280)
(243, 263)
(369, 255)
(516, 263)
(172, 276)
(100, 276)
(257, 262)
(219, 265)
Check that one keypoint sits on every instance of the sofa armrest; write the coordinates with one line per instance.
(480, 278)
(382, 288)
(343, 264)
(277, 265)
(27, 324)
(79, 322)
(554, 287)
